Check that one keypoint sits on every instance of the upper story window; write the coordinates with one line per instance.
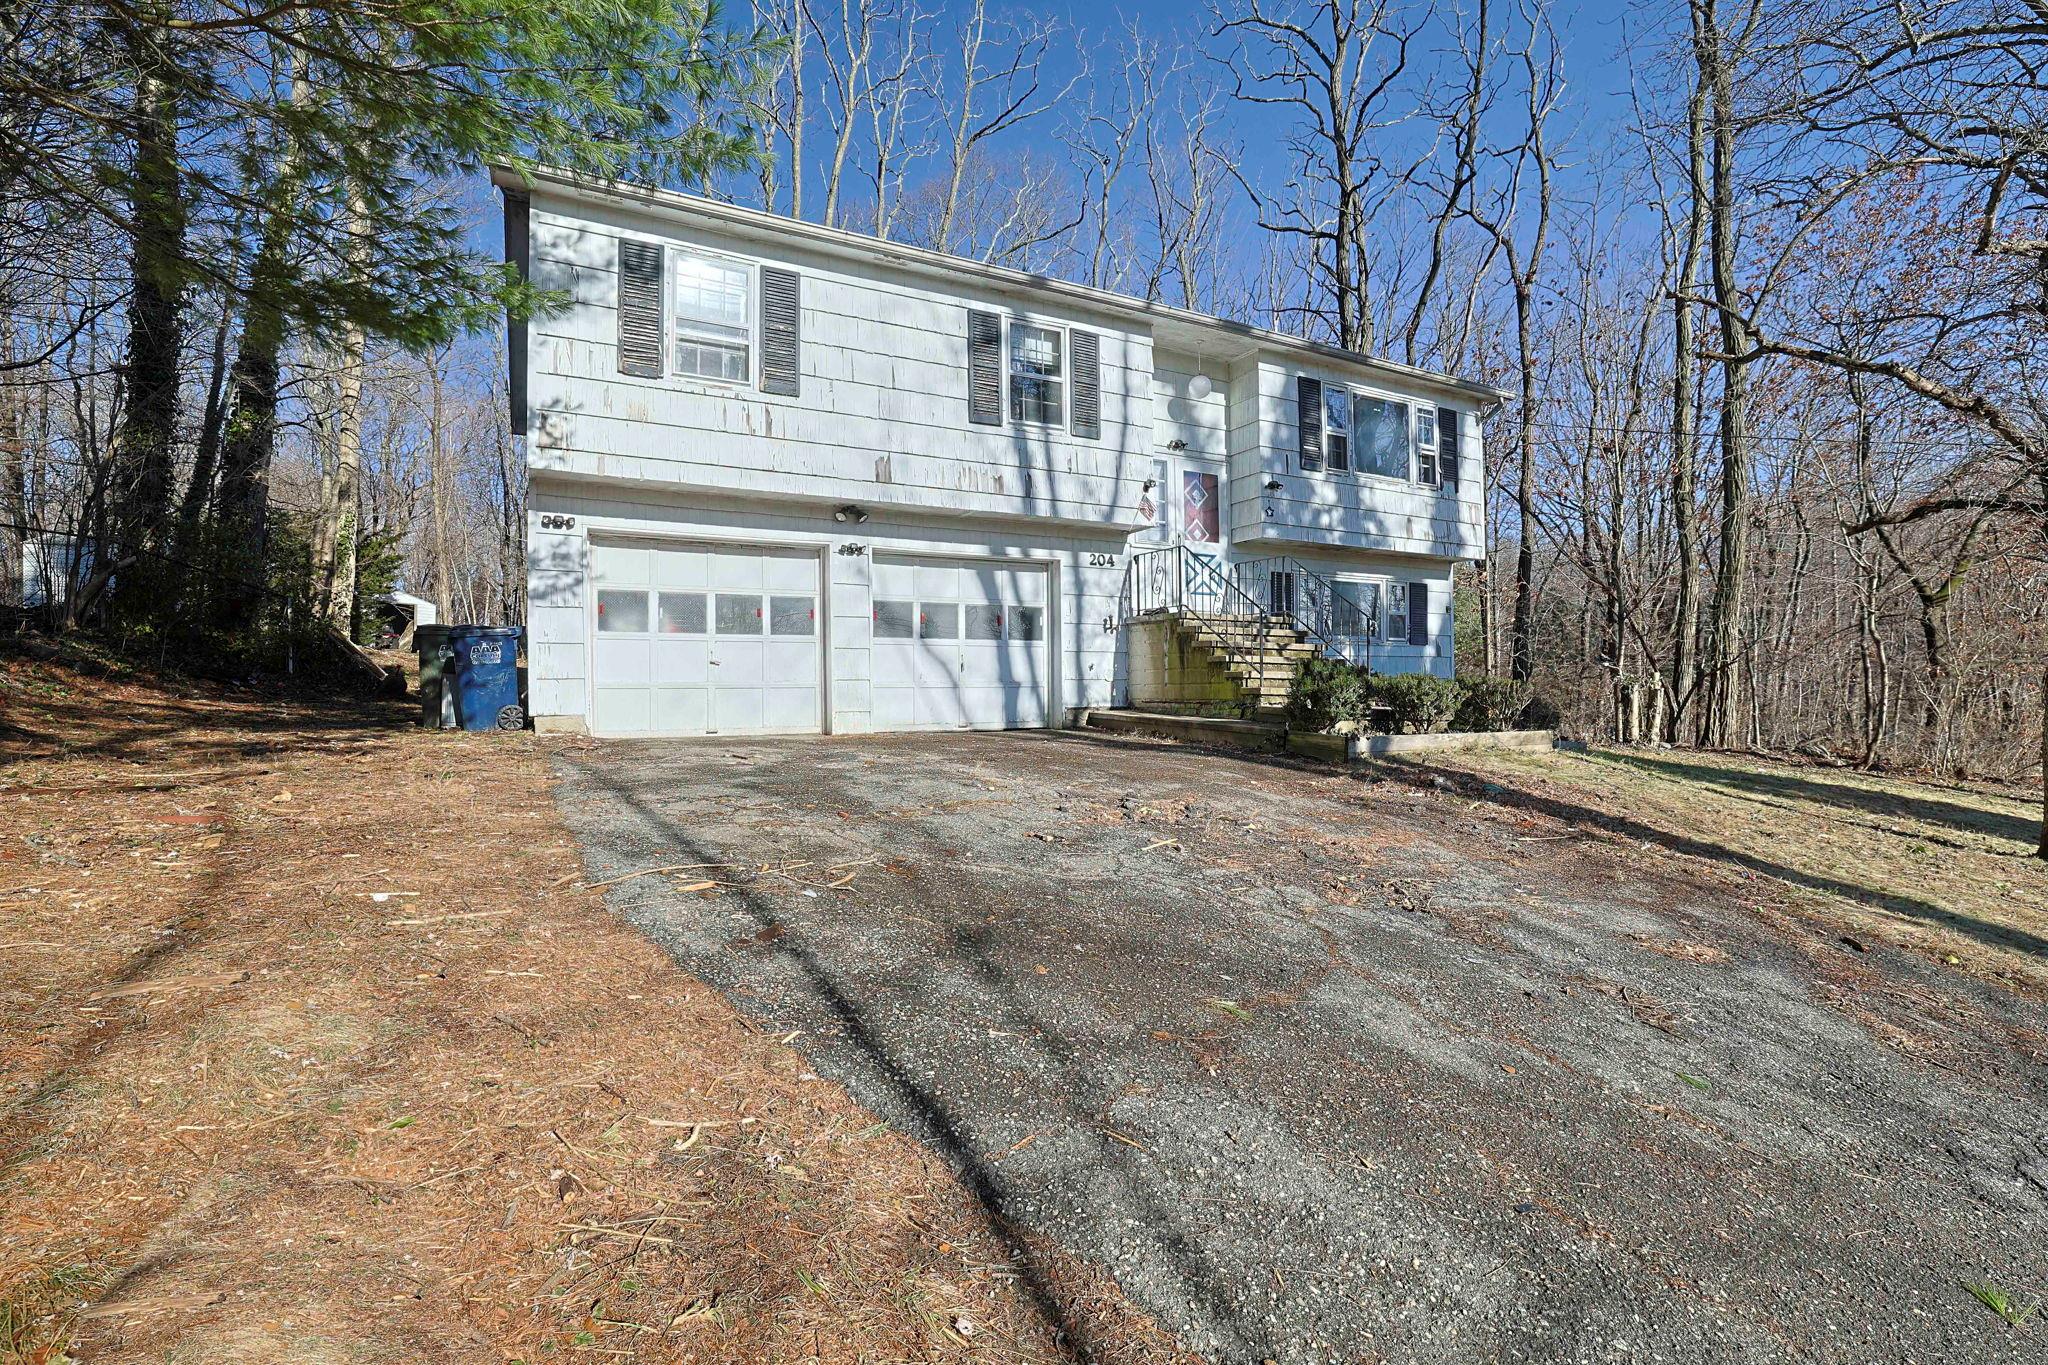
(1037, 375)
(712, 305)
(1342, 430)
(1426, 470)
(1337, 429)
(1380, 428)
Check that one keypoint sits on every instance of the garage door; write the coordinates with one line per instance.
(700, 639)
(959, 645)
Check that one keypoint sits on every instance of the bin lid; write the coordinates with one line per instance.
(423, 636)
(487, 632)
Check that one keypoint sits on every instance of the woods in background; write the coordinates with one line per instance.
(231, 263)
(1769, 284)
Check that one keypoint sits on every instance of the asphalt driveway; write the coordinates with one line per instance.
(1328, 1069)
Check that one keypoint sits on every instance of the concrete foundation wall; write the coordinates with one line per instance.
(1353, 747)
(1166, 671)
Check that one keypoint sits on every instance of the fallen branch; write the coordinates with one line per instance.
(443, 919)
(650, 872)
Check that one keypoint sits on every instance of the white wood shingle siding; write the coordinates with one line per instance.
(1348, 509)
(882, 413)
(1204, 423)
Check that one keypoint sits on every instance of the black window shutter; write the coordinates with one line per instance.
(984, 368)
(781, 341)
(639, 309)
(1308, 421)
(1418, 613)
(1087, 411)
(1448, 447)
(518, 250)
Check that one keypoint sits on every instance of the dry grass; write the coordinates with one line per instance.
(1945, 871)
(315, 1049)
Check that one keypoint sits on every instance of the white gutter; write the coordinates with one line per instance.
(836, 241)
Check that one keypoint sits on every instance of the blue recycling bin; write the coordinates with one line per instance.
(485, 663)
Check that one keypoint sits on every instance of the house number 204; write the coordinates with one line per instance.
(1102, 561)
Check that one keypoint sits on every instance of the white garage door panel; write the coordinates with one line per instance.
(699, 639)
(959, 645)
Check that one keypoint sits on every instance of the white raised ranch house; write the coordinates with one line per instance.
(788, 478)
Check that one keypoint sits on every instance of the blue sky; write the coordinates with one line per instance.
(1595, 112)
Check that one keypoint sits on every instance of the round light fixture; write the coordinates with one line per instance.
(1199, 387)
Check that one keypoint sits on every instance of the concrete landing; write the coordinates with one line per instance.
(1240, 734)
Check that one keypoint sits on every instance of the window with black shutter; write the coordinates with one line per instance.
(1308, 421)
(781, 343)
(1085, 351)
(984, 368)
(640, 332)
(1448, 445)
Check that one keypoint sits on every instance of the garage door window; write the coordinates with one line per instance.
(894, 620)
(739, 614)
(1026, 622)
(941, 621)
(619, 610)
(984, 622)
(682, 613)
(790, 616)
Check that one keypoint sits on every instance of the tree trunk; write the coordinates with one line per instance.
(1522, 657)
(206, 455)
(963, 119)
(1729, 581)
(439, 483)
(242, 510)
(335, 533)
(1684, 424)
(13, 476)
(145, 453)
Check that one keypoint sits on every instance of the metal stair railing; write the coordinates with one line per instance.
(1320, 610)
(1176, 581)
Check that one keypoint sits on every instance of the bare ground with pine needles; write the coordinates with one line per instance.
(314, 1048)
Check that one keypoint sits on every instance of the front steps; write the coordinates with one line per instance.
(1207, 664)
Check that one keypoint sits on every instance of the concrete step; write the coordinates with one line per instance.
(1276, 644)
(1266, 732)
